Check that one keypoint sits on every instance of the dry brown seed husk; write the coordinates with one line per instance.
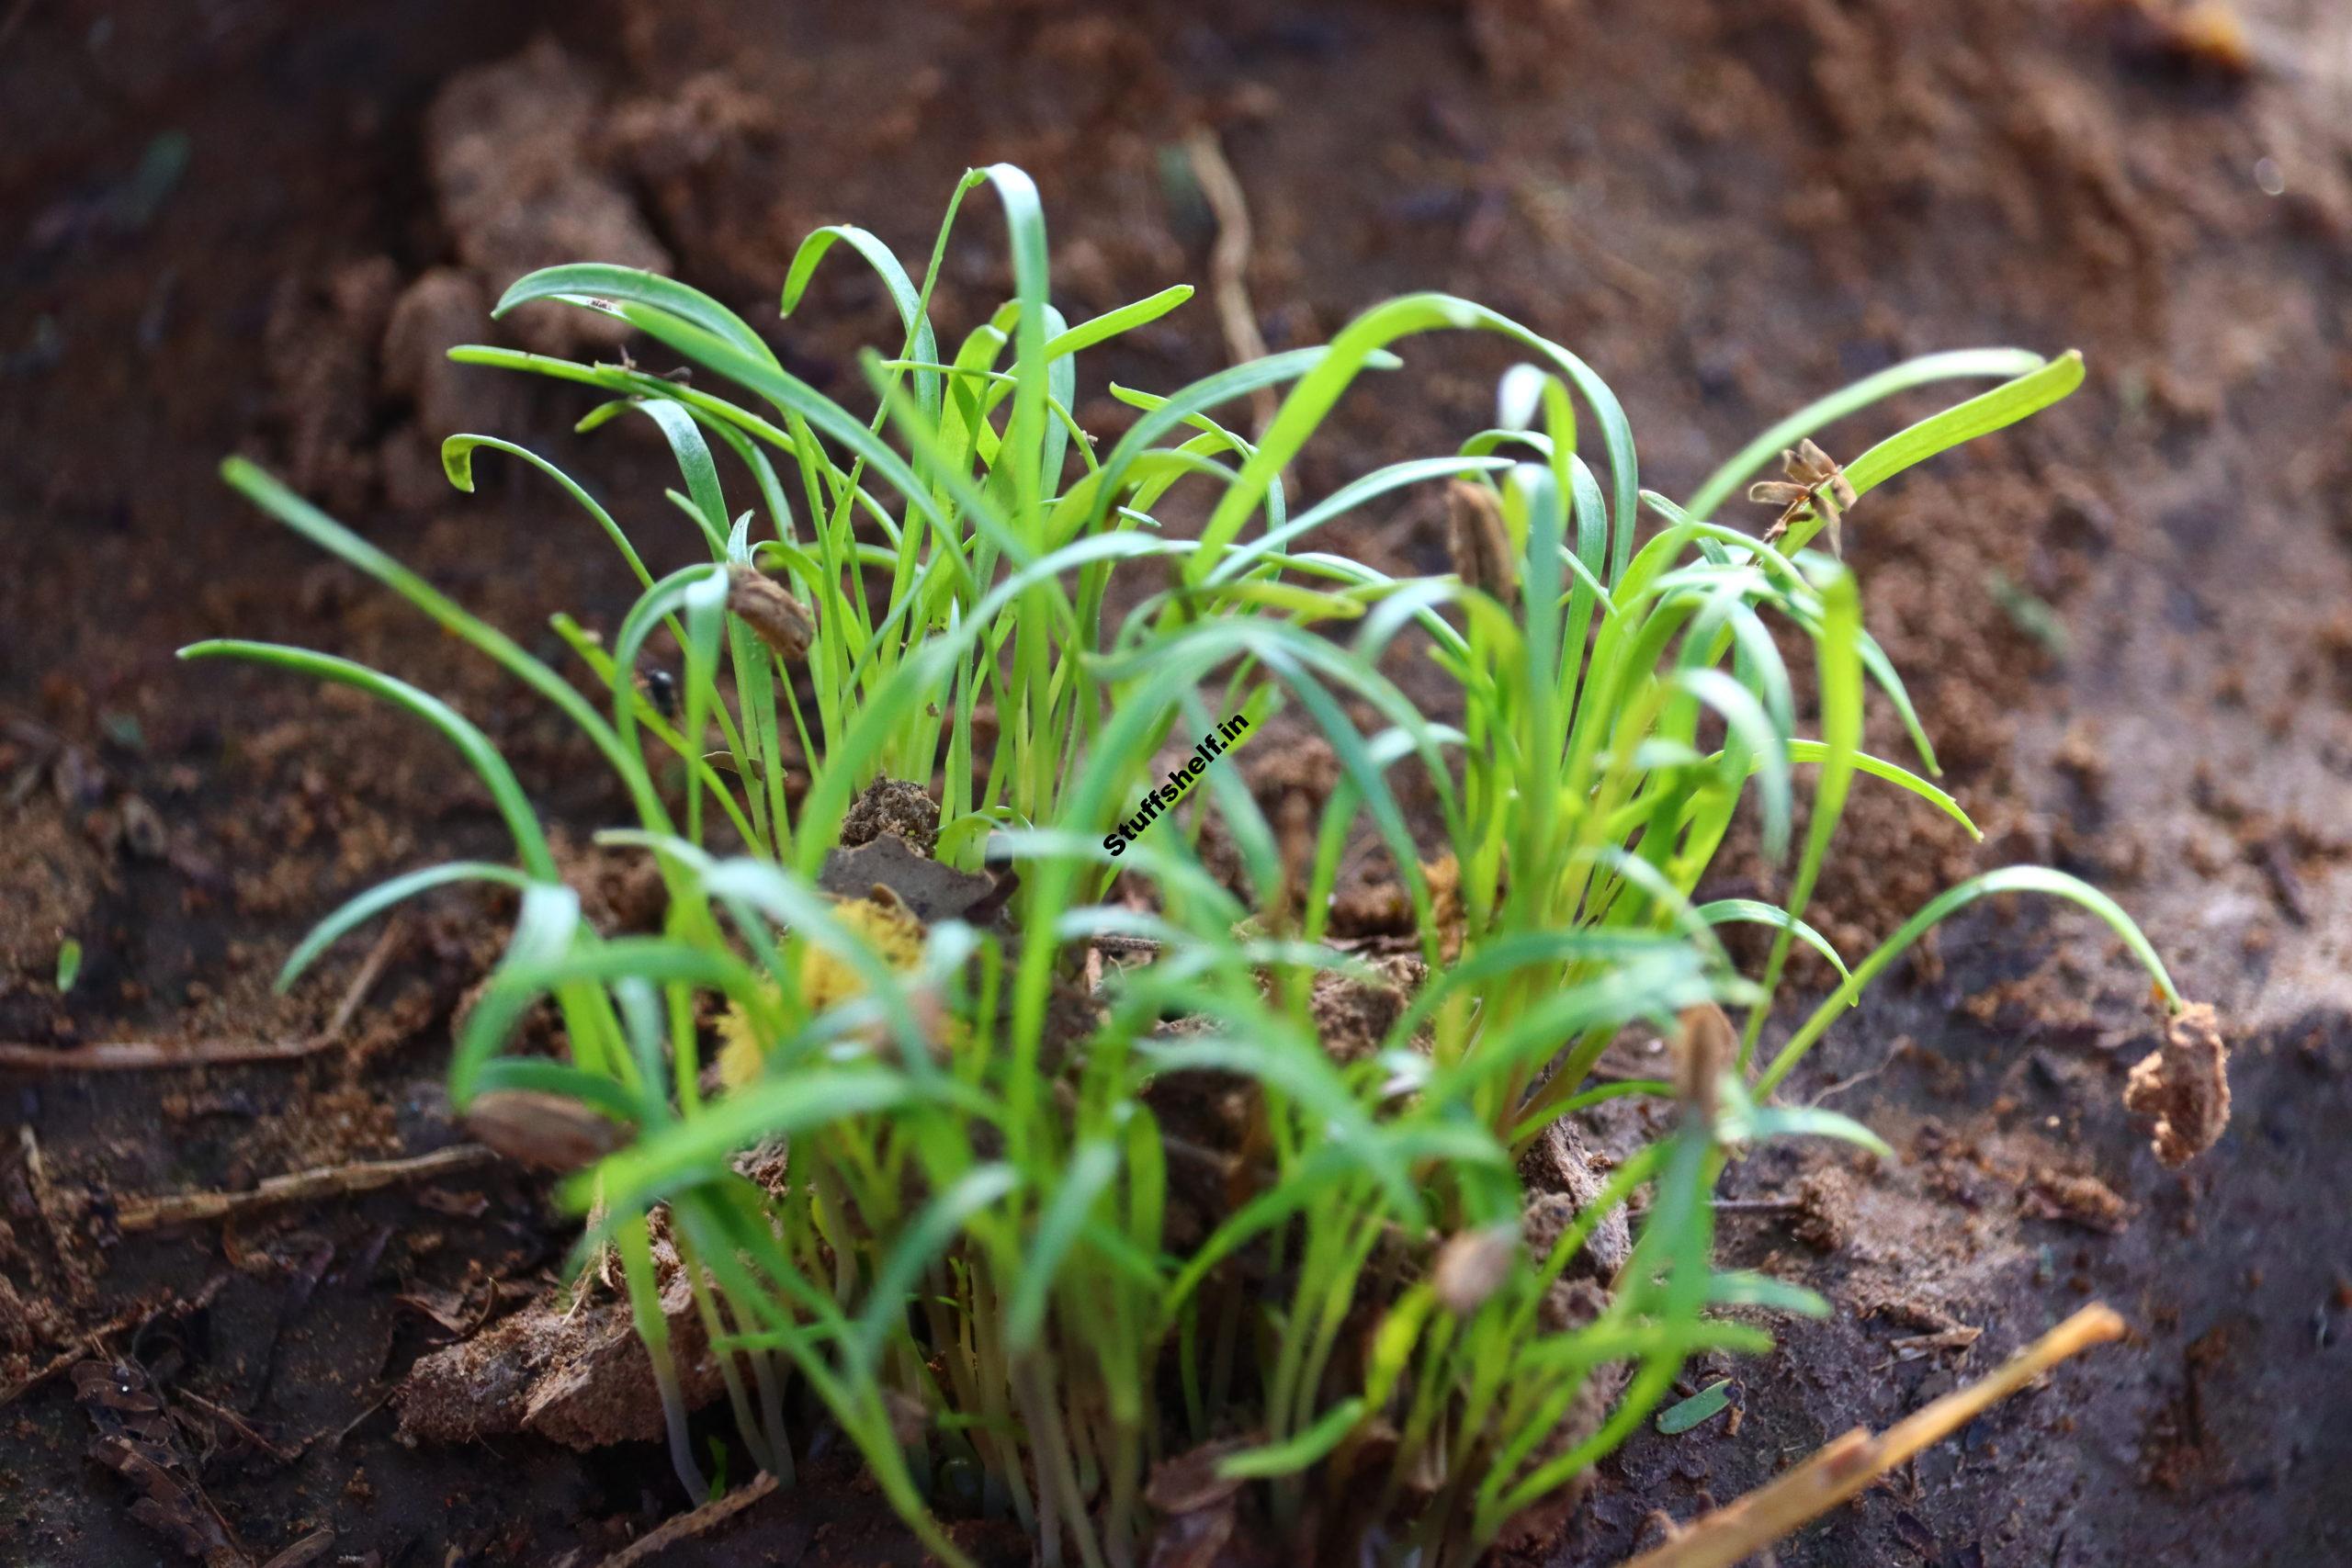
(1481, 545)
(1472, 1266)
(546, 1131)
(776, 617)
(1704, 1049)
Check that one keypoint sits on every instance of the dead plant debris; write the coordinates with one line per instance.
(765, 605)
(134, 1214)
(1814, 483)
(2185, 1085)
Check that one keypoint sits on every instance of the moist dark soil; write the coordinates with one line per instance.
(252, 227)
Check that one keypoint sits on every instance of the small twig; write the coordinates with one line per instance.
(353, 1425)
(134, 1214)
(1842, 1085)
(144, 1056)
(1841, 1469)
(55, 1365)
(80, 1284)
(372, 969)
(238, 1425)
(303, 1552)
(1229, 262)
(141, 1056)
(687, 1527)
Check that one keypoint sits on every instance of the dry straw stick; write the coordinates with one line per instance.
(1229, 262)
(1844, 1467)
(135, 1215)
(708, 1518)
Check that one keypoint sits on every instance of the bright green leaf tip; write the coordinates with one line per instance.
(457, 462)
(1687, 1414)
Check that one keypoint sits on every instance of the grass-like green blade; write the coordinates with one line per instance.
(1091, 1170)
(1839, 656)
(1753, 912)
(359, 911)
(1680, 1418)
(922, 342)
(918, 1245)
(2011, 879)
(599, 287)
(1815, 417)
(458, 463)
(1294, 1454)
(1979, 415)
(684, 1154)
(545, 928)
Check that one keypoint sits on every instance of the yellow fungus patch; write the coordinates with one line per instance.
(826, 979)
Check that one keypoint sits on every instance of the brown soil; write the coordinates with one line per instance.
(2124, 626)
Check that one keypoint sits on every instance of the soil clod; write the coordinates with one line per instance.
(514, 155)
(896, 806)
(2185, 1085)
(578, 1377)
(1824, 1215)
(1562, 1183)
(2084, 1200)
(1353, 1016)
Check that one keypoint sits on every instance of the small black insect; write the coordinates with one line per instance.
(661, 691)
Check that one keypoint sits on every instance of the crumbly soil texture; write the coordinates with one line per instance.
(255, 227)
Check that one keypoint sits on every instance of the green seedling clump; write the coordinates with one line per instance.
(984, 1227)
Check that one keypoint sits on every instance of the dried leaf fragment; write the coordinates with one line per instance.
(2185, 1085)
(1815, 481)
(137, 1441)
(776, 617)
(312, 1548)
